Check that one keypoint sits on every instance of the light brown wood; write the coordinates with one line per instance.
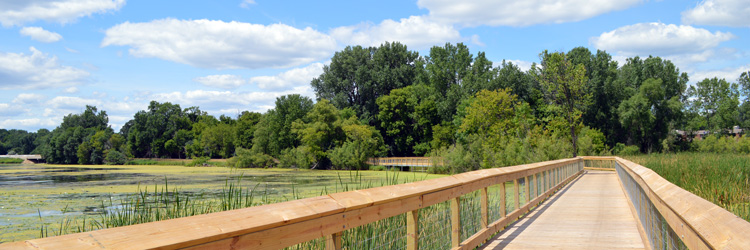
(503, 202)
(700, 223)
(484, 200)
(412, 230)
(516, 190)
(333, 241)
(527, 185)
(591, 213)
(455, 221)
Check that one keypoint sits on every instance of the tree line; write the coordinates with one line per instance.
(450, 103)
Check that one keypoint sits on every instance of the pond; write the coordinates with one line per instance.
(41, 194)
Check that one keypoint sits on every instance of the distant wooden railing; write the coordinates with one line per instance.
(402, 161)
(280, 225)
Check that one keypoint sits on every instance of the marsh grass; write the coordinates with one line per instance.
(723, 179)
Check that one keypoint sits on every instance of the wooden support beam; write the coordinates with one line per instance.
(484, 201)
(502, 193)
(517, 189)
(333, 241)
(412, 230)
(455, 222)
(526, 180)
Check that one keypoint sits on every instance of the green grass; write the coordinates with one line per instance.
(723, 179)
(10, 161)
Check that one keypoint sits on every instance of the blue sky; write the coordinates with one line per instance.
(56, 56)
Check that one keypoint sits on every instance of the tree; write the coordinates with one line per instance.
(406, 117)
(446, 69)
(64, 141)
(150, 129)
(273, 132)
(716, 102)
(357, 76)
(564, 85)
(666, 109)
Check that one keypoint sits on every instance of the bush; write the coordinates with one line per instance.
(115, 157)
(621, 149)
(10, 161)
(199, 161)
(298, 157)
(245, 158)
(377, 168)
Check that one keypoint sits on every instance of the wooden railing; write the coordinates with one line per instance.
(669, 216)
(401, 161)
(285, 224)
(673, 218)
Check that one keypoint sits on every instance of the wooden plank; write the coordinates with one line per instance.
(412, 230)
(484, 200)
(527, 184)
(517, 190)
(333, 241)
(592, 213)
(455, 221)
(503, 203)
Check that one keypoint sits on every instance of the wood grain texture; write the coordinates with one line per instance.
(592, 213)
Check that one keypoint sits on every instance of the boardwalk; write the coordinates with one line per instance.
(590, 213)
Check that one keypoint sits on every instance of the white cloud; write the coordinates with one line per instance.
(28, 98)
(31, 124)
(222, 45)
(520, 13)
(216, 101)
(523, 65)
(72, 103)
(246, 3)
(36, 71)
(39, 34)
(719, 12)
(415, 31)
(289, 79)
(60, 11)
(659, 39)
(221, 81)
(730, 74)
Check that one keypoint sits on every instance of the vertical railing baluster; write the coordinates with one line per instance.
(517, 190)
(528, 189)
(333, 241)
(484, 201)
(456, 222)
(503, 203)
(412, 230)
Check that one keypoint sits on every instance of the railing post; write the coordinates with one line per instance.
(333, 241)
(536, 185)
(526, 180)
(412, 230)
(456, 222)
(517, 188)
(484, 201)
(502, 200)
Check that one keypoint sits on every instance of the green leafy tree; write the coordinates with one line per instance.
(273, 132)
(565, 85)
(357, 76)
(65, 140)
(150, 129)
(715, 101)
(406, 117)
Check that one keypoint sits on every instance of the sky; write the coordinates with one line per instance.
(57, 56)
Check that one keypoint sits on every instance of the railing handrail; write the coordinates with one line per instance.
(699, 223)
(284, 224)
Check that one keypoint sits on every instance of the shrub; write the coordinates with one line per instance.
(245, 158)
(10, 161)
(115, 157)
(199, 161)
(377, 168)
(298, 157)
(621, 149)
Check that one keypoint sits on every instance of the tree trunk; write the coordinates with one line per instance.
(574, 139)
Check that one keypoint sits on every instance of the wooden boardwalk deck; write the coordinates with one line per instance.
(590, 213)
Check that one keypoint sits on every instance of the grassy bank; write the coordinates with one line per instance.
(723, 179)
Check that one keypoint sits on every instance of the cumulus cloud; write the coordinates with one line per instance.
(730, 74)
(36, 71)
(28, 98)
(7, 110)
(72, 103)
(60, 11)
(246, 3)
(289, 79)
(415, 31)
(719, 12)
(221, 81)
(30, 124)
(39, 34)
(215, 101)
(222, 45)
(520, 13)
(659, 39)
